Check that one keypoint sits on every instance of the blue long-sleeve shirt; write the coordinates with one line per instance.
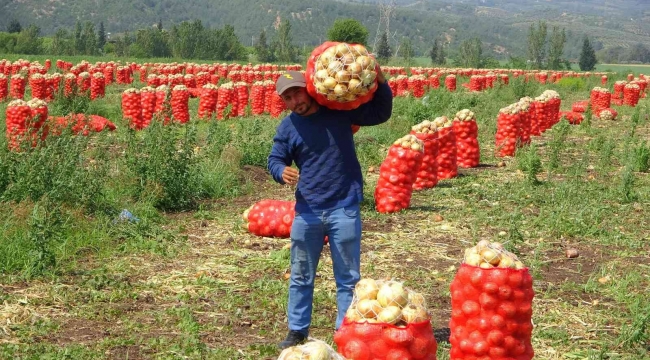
(322, 146)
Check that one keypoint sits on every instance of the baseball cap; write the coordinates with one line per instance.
(288, 80)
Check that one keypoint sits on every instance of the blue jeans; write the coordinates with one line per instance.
(343, 227)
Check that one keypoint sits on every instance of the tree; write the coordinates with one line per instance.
(349, 31)
(14, 26)
(262, 48)
(101, 36)
(62, 43)
(29, 41)
(471, 51)
(89, 39)
(537, 43)
(159, 26)
(587, 56)
(78, 43)
(556, 48)
(437, 53)
(383, 50)
(638, 53)
(283, 47)
(407, 50)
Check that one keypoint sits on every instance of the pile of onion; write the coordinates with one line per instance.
(344, 72)
(488, 255)
(387, 302)
(311, 350)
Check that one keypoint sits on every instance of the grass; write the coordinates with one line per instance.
(186, 281)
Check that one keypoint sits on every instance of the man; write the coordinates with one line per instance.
(330, 188)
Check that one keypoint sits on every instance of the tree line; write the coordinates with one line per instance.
(193, 40)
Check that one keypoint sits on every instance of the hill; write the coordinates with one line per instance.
(501, 24)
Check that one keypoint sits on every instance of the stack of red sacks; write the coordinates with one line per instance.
(397, 174)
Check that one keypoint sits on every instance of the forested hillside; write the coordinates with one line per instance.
(502, 25)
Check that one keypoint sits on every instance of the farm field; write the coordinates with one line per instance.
(186, 280)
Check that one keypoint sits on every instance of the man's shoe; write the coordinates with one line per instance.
(293, 338)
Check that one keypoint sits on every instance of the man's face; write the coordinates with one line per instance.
(297, 100)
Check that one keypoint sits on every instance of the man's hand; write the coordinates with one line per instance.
(380, 75)
(290, 175)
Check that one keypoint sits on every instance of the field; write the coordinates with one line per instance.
(187, 281)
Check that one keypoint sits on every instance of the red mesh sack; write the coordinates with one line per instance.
(466, 132)
(241, 92)
(631, 94)
(491, 307)
(416, 85)
(163, 105)
(257, 98)
(434, 81)
(226, 93)
(17, 87)
(132, 108)
(341, 76)
(17, 116)
(603, 80)
(525, 120)
(600, 99)
(553, 105)
(97, 86)
(397, 174)
(573, 118)
(450, 82)
(507, 131)
(386, 321)
(38, 83)
(580, 106)
(475, 83)
(4, 92)
(607, 114)
(427, 175)
(270, 218)
(402, 85)
(619, 87)
(69, 84)
(180, 104)
(447, 151)
(83, 81)
(392, 83)
(208, 101)
(148, 101)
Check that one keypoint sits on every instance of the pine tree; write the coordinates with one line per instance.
(159, 26)
(407, 50)
(537, 43)
(587, 56)
(383, 49)
(433, 53)
(89, 39)
(262, 48)
(79, 45)
(14, 26)
(556, 48)
(101, 36)
(284, 49)
(441, 54)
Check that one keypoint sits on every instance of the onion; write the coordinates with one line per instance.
(367, 77)
(359, 49)
(319, 351)
(366, 289)
(342, 76)
(347, 59)
(473, 259)
(321, 88)
(354, 68)
(329, 83)
(485, 265)
(390, 315)
(413, 313)
(321, 75)
(353, 315)
(392, 294)
(506, 262)
(491, 256)
(416, 147)
(340, 89)
(354, 85)
(368, 308)
(334, 67)
(416, 299)
(342, 49)
(295, 354)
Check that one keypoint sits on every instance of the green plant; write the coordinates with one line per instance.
(641, 157)
(560, 132)
(529, 162)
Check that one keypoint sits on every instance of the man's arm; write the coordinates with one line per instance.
(379, 109)
(280, 156)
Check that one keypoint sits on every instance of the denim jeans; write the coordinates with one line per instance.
(343, 227)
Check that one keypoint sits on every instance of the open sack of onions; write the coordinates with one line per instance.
(386, 320)
(491, 305)
(341, 76)
(311, 350)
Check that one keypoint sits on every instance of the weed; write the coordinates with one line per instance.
(529, 162)
(641, 157)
